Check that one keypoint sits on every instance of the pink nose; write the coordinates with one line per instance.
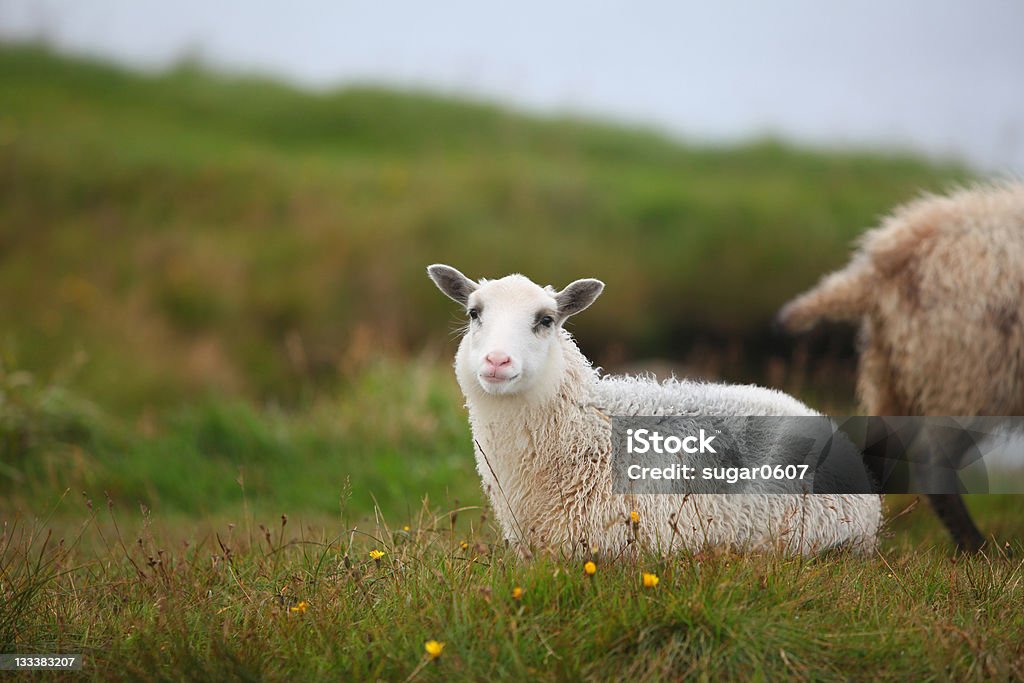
(497, 359)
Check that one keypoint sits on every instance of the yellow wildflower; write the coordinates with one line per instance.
(464, 545)
(517, 593)
(376, 554)
(300, 608)
(650, 580)
(634, 517)
(405, 528)
(590, 568)
(434, 648)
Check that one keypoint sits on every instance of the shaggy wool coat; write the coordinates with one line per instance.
(546, 468)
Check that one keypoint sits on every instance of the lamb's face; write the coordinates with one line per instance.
(511, 341)
(511, 334)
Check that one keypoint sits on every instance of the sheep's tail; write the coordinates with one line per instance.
(841, 296)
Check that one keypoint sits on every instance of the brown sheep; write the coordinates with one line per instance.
(938, 290)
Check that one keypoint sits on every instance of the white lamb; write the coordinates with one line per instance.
(540, 416)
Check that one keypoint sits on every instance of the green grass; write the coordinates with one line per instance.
(176, 548)
(225, 602)
(189, 232)
(391, 435)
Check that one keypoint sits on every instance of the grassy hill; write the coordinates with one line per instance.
(172, 235)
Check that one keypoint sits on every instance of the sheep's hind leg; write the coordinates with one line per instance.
(947, 454)
(951, 510)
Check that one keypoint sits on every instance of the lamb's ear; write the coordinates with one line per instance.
(452, 282)
(577, 296)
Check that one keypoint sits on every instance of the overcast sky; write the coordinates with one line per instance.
(942, 77)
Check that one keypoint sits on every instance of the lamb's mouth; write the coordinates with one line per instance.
(495, 379)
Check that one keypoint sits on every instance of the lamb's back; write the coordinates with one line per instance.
(635, 396)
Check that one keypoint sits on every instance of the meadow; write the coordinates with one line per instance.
(225, 381)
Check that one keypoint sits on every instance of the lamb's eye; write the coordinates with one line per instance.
(473, 314)
(546, 321)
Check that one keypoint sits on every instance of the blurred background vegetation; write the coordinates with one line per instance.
(213, 288)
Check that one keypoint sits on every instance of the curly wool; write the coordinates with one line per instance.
(941, 278)
(546, 467)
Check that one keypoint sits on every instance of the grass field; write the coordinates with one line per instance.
(225, 380)
(157, 598)
(290, 603)
(235, 545)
